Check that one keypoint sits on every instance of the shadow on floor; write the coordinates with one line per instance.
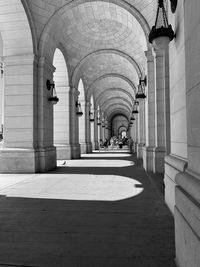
(137, 231)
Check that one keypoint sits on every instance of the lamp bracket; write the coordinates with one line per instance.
(49, 85)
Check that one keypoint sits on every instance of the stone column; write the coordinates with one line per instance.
(1, 96)
(141, 128)
(62, 123)
(96, 131)
(74, 130)
(148, 153)
(82, 127)
(87, 128)
(136, 133)
(160, 130)
(28, 121)
(92, 125)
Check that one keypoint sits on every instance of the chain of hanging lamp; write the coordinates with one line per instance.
(165, 20)
(163, 31)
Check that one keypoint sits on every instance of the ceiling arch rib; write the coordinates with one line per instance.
(109, 82)
(106, 93)
(105, 54)
(115, 100)
(117, 112)
(118, 106)
(83, 28)
(96, 33)
(116, 77)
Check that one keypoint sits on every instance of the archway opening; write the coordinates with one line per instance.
(61, 109)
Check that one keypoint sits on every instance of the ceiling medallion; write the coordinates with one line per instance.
(173, 5)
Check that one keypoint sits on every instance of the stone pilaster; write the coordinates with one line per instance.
(148, 152)
(88, 128)
(82, 127)
(160, 127)
(92, 126)
(74, 124)
(28, 122)
(141, 128)
(96, 143)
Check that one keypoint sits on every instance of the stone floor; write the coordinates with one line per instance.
(100, 211)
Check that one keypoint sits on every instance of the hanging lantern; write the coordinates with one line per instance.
(160, 36)
(132, 118)
(91, 114)
(135, 107)
(98, 118)
(98, 121)
(79, 110)
(53, 98)
(141, 89)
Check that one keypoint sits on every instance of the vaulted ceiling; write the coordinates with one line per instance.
(103, 43)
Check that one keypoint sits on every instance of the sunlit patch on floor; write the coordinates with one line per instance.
(107, 154)
(88, 187)
(94, 163)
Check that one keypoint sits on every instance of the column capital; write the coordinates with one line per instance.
(44, 62)
(74, 91)
(158, 53)
(149, 55)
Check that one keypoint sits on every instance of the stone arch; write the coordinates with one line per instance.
(118, 112)
(16, 30)
(118, 89)
(124, 5)
(61, 109)
(108, 75)
(118, 107)
(106, 102)
(104, 51)
(32, 26)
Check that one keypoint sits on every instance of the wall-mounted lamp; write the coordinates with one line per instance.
(78, 109)
(51, 86)
(135, 107)
(141, 89)
(91, 115)
(98, 120)
(132, 118)
(160, 36)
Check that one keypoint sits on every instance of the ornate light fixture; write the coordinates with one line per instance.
(53, 98)
(141, 89)
(79, 110)
(98, 120)
(132, 118)
(135, 107)
(91, 115)
(160, 36)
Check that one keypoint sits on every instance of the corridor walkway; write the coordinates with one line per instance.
(100, 211)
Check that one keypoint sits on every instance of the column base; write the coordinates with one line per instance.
(86, 147)
(93, 145)
(140, 150)
(159, 155)
(16, 160)
(75, 151)
(83, 147)
(63, 152)
(173, 165)
(89, 147)
(187, 217)
(96, 145)
(148, 158)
